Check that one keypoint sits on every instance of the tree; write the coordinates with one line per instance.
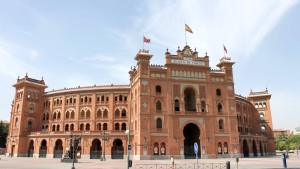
(3, 134)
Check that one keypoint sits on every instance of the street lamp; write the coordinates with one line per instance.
(104, 136)
(74, 141)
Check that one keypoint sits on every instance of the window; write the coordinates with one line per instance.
(72, 127)
(67, 114)
(176, 106)
(98, 99)
(221, 124)
(105, 126)
(203, 106)
(218, 92)
(18, 107)
(158, 123)
(53, 128)
(99, 113)
(58, 115)
(71, 100)
(123, 126)
(219, 148)
(88, 114)
(99, 126)
(90, 99)
(190, 99)
(262, 116)
(54, 115)
(120, 98)
(31, 108)
(117, 113)
(102, 98)
(123, 113)
(105, 113)
(44, 116)
(219, 107)
(125, 98)
(72, 114)
(82, 114)
(87, 127)
(116, 99)
(81, 127)
(107, 98)
(264, 105)
(67, 127)
(158, 106)
(29, 125)
(158, 89)
(117, 126)
(57, 127)
(85, 99)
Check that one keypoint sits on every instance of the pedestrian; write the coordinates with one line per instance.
(172, 162)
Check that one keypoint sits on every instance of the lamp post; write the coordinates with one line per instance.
(74, 141)
(129, 124)
(104, 136)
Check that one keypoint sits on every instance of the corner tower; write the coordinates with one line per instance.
(25, 115)
(261, 101)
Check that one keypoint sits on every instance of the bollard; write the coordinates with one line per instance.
(130, 163)
(227, 164)
(284, 161)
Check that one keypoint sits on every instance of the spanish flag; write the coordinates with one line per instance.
(188, 29)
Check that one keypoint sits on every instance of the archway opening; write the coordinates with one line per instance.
(254, 148)
(58, 149)
(30, 149)
(245, 148)
(191, 134)
(96, 149)
(117, 150)
(43, 149)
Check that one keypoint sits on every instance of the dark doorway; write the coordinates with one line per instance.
(58, 149)
(117, 151)
(245, 148)
(254, 148)
(96, 149)
(30, 149)
(43, 149)
(191, 134)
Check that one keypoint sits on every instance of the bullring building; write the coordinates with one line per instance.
(166, 108)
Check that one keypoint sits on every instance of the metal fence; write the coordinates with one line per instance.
(184, 166)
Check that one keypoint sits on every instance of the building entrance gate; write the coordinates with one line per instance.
(191, 134)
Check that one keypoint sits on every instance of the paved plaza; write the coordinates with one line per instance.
(49, 163)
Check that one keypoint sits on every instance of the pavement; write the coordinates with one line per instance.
(244, 163)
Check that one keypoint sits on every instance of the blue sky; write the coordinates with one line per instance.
(76, 43)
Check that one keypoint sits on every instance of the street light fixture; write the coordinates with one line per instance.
(105, 138)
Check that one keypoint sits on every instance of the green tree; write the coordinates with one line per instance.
(3, 134)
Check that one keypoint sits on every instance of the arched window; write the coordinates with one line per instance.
(221, 124)
(18, 107)
(87, 127)
(81, 127)
(44, 116)
(158, 123)
(58, 128)
(90, 99)
(99, 126)
(158, 106)
(85, 99)
(225, 148)
(82, 114)
(155, 149)
(220, 107)
(123, 113)
(105, 126)
(67, 114)
(190, 99)
(203, 106)
(72, 127)
(256, 105)
(99, 113)
(263, 128)
(54, 115)
(218, 92)
(58, 115)
(123, 126)
(71, 100)
(120, 98)
(105, 113)
(72, 114)
(262, 116)
(67, 127)
(176, 106)
(264, 105)
(107, 98)
(125, 98)
(117, 126)
(260, 105)
(29, 125)
(117, 113)
(31, 108)
(163, 148)
(88, 114)
(102, 98)
(219, 147)
(116, 98)
(158, 89)
(53, 128)
(47, 116)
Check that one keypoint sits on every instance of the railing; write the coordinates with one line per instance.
(184, 166)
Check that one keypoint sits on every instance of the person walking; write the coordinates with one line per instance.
(172, 162)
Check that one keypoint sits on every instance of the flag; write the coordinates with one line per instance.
(225, 49)
(146, 40)
(188, 29)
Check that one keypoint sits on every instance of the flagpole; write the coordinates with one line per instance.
(143, 41)
(185, 37)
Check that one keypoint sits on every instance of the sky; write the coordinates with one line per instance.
(74, 43)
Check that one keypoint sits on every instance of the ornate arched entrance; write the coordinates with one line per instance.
(117, 151)
(245, 148)
(43, 149)
(191, 134)
(96, 149)
(254, 148)
(58, 149)
(30, 149)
